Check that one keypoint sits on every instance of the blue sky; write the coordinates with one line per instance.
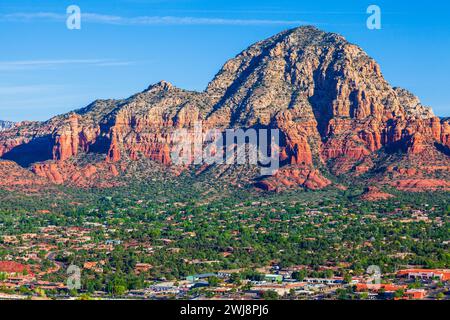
(126, 45)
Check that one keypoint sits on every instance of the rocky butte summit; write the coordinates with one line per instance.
(341, 122)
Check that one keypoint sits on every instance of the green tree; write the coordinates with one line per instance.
(347, 278)
(440, 296)
(213, 281)
(299, 275)
(235, 278)
(270, 295)
(399, 293)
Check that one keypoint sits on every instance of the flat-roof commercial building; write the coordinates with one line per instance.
(442, 274)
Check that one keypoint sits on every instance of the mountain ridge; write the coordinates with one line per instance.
(337, 114)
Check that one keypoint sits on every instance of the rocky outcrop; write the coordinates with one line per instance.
(67, 139)
(418, 185)
(445, 133)
(100, 174)
(13, 176)
(375, 194)
(293, 178)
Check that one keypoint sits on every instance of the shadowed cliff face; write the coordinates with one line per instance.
(336, 113)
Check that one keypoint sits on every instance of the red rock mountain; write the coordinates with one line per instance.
(339, 118)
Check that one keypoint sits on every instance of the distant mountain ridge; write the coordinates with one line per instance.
(5, 125)
(341, 122)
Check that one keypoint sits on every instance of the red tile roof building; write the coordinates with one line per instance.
(415, 294)
(442, 274)
(362, 287)
(11, 267)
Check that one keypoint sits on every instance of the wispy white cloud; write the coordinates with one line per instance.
(172, 20)
(147, 20)
(28, 89)
(28, 16)
(46, 64)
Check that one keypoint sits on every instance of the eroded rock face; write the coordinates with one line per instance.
(294, 177)
(418, 185)
(67, 139)
(100, 174)
(330, 101)
(375, 194)
(13, 175)
(445, 133)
